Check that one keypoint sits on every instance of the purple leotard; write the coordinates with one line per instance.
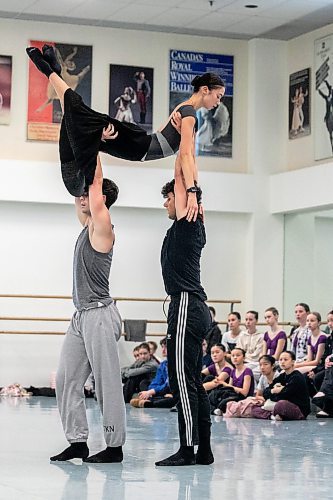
(272, 343)
(239, 381)
(314, 348)
(212, 370)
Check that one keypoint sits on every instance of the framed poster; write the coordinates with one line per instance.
(214, 136)
(5, 88)
(299, 104)
(323, 111)
(131, 94)
(44, 110)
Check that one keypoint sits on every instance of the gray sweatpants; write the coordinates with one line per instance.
(91, 345)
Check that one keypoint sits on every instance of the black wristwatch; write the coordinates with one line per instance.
(192, 189)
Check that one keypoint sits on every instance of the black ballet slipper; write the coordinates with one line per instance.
(75, 450)
(51, 57)
(181, 458)
(108, 456)
(37, 58)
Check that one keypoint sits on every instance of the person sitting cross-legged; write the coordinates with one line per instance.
(240, 386)
(288, 393)
(144, 368)
(158, 393)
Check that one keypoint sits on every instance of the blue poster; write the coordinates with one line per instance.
(214, 136)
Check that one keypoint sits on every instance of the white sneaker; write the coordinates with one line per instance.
(218, 412)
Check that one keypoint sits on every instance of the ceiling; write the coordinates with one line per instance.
(275, 19)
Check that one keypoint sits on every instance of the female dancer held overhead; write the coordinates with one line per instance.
(84, 132)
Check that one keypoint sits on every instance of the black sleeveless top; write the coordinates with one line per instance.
(171, 134)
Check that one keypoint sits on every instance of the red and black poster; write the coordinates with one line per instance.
(44, 110)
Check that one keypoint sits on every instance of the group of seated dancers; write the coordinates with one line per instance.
(248, 373)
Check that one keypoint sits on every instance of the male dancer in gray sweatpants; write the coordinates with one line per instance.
(91, 340)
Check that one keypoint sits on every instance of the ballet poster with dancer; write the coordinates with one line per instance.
(214, 136)
(323, 110)
(299, 104)
(5, 88)
(131, 95)
(44, 110)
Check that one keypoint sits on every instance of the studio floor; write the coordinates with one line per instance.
(253, 459)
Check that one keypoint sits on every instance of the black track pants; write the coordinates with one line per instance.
(188, 322)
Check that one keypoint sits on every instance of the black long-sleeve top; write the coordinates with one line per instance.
(295, 390)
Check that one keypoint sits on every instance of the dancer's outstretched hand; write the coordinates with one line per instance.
(176, 121)
(192, 207)
(109, 133)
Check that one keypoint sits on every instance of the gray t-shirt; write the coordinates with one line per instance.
(91, 270)
(263, 382)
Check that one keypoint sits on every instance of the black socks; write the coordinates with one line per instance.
(184, 456)
(108, 456)
(204, 457)
(81, 450)
(37, 58)
(50, 57)
(75, 450)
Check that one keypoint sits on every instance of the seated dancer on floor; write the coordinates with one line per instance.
(82, 128)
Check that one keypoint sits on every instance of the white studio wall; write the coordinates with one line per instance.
(308, 261)
(266, 154)
(299, 261)
(323, 283)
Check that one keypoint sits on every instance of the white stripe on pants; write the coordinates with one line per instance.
(180, 367)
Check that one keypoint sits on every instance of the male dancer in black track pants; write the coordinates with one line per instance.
(188, 322)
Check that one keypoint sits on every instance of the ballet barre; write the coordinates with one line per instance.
(52, 319)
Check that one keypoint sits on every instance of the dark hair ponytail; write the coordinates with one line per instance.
(317, 314)
(210, 79)
(291, 354)
(220, 346)
(305, 306)
(270, 359)
(235, 313)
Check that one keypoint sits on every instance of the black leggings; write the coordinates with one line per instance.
(132, 385)
(220, 396)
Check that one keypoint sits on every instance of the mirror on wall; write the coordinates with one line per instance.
(308, 261)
